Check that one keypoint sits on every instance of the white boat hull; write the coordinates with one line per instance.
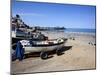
(43, 49)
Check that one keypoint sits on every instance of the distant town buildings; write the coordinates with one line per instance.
(17, 22)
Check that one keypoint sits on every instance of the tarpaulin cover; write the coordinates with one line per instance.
(19, 53)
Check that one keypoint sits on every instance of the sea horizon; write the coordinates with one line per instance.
(85, 30)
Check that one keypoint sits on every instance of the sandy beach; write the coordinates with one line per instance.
(79, 54)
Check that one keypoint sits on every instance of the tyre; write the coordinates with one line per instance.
(58, 52)
(43, 55)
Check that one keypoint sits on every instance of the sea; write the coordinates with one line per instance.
(74, 30)
(80, 30)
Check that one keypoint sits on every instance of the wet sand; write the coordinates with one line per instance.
(79, 54)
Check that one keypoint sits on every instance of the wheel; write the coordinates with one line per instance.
(43, 55)
(58, 52)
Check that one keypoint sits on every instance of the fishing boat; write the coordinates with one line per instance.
(43, 46)
(20, 33)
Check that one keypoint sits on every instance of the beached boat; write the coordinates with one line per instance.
(43, 46)
(19, 33)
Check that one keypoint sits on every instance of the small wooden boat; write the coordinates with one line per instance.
(43, 46)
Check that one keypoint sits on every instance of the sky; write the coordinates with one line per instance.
(55, 15)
